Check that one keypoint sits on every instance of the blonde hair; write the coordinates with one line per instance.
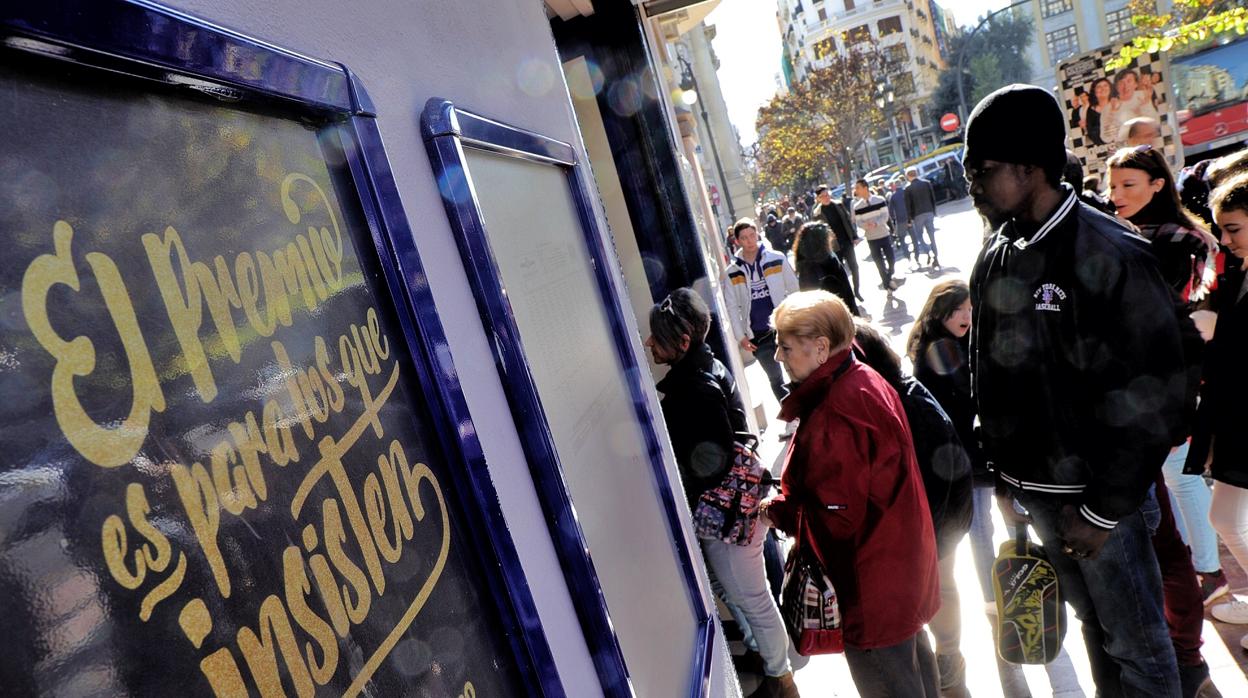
(815, 314)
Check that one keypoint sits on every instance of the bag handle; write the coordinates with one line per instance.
(1020, 540)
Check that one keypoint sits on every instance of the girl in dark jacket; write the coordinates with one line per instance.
(937, 346)
(818, 268)
(946, 473)
(1226, 386)
(1143, 192)
(703, 412)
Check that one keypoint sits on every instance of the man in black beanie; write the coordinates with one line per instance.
(1079, 377)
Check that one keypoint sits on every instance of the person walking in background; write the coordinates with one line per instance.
(1143, 192)
(921, 210)
(1077, 441)
(946, 471)
(871, 212)
(756, 281)
(853, 482)
(774, 232)
(1143, 130)
(901, 224)
(842, 227)
(704, 412)
(788, 228)
(818, 267)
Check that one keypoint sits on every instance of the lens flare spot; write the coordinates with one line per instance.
(624, 98)
(534, 77)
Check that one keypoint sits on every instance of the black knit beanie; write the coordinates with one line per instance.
(1021, 124)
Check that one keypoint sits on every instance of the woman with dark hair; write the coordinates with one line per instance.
(937, 347)
(1101, 95)
(946, 471)
(818, 267)
(1143, 192)
(853, 493)
(704, 412)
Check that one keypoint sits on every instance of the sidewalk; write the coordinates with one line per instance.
(958, 239)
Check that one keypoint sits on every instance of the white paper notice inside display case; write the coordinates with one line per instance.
(548, 273)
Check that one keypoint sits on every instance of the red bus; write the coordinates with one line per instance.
(1211, 91)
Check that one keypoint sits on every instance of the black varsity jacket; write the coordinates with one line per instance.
(1077, 360)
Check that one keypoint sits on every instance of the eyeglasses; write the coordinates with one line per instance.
(666, 306)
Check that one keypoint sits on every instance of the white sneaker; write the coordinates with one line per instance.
(1234, 611)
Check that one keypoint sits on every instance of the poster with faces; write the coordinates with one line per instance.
(1107, 110)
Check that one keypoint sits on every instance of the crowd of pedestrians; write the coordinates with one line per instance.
(1088, 377)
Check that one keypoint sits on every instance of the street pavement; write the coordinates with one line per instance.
(959, 237)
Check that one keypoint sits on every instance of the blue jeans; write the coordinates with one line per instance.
(765, 352)
(910, 246)
(1118, 598)
(926, 222)
(1192, 497)
(982, 549)
(739, 576)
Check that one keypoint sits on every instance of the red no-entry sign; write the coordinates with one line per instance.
(949, 122)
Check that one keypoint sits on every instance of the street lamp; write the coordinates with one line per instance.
(884, 96)
(962, 54)
(689, 96)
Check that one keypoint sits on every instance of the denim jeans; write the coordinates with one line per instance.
(926, 223)
(882, 255)
(904, 670)
(741, 579)
(909, 245)
(982, 548)
(765, 352)
(1118, 598)
(1192, 498)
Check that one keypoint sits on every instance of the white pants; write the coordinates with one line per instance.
(741, 577)
(1229, 515)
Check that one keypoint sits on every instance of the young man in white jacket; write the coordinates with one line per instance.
(871, 212)
(755, 282)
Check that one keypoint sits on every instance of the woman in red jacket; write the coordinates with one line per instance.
(852, 473)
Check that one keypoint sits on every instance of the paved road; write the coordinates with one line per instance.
(959, 236)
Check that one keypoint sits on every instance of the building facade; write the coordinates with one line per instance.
(1064, 28)
(909, 33)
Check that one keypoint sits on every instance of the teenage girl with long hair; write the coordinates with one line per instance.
(1220, 425)
(1143, 193)
(938, 347)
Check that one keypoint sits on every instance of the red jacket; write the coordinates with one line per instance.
(852, 470)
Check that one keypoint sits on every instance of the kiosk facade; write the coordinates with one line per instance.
(291, 406)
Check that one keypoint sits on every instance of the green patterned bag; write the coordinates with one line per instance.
(1031, 615)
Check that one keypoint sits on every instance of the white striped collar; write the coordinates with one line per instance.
(1064, 208)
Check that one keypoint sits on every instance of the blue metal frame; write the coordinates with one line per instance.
(143, 39)
(447, 131)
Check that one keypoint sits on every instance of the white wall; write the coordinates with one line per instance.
(495, 57)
